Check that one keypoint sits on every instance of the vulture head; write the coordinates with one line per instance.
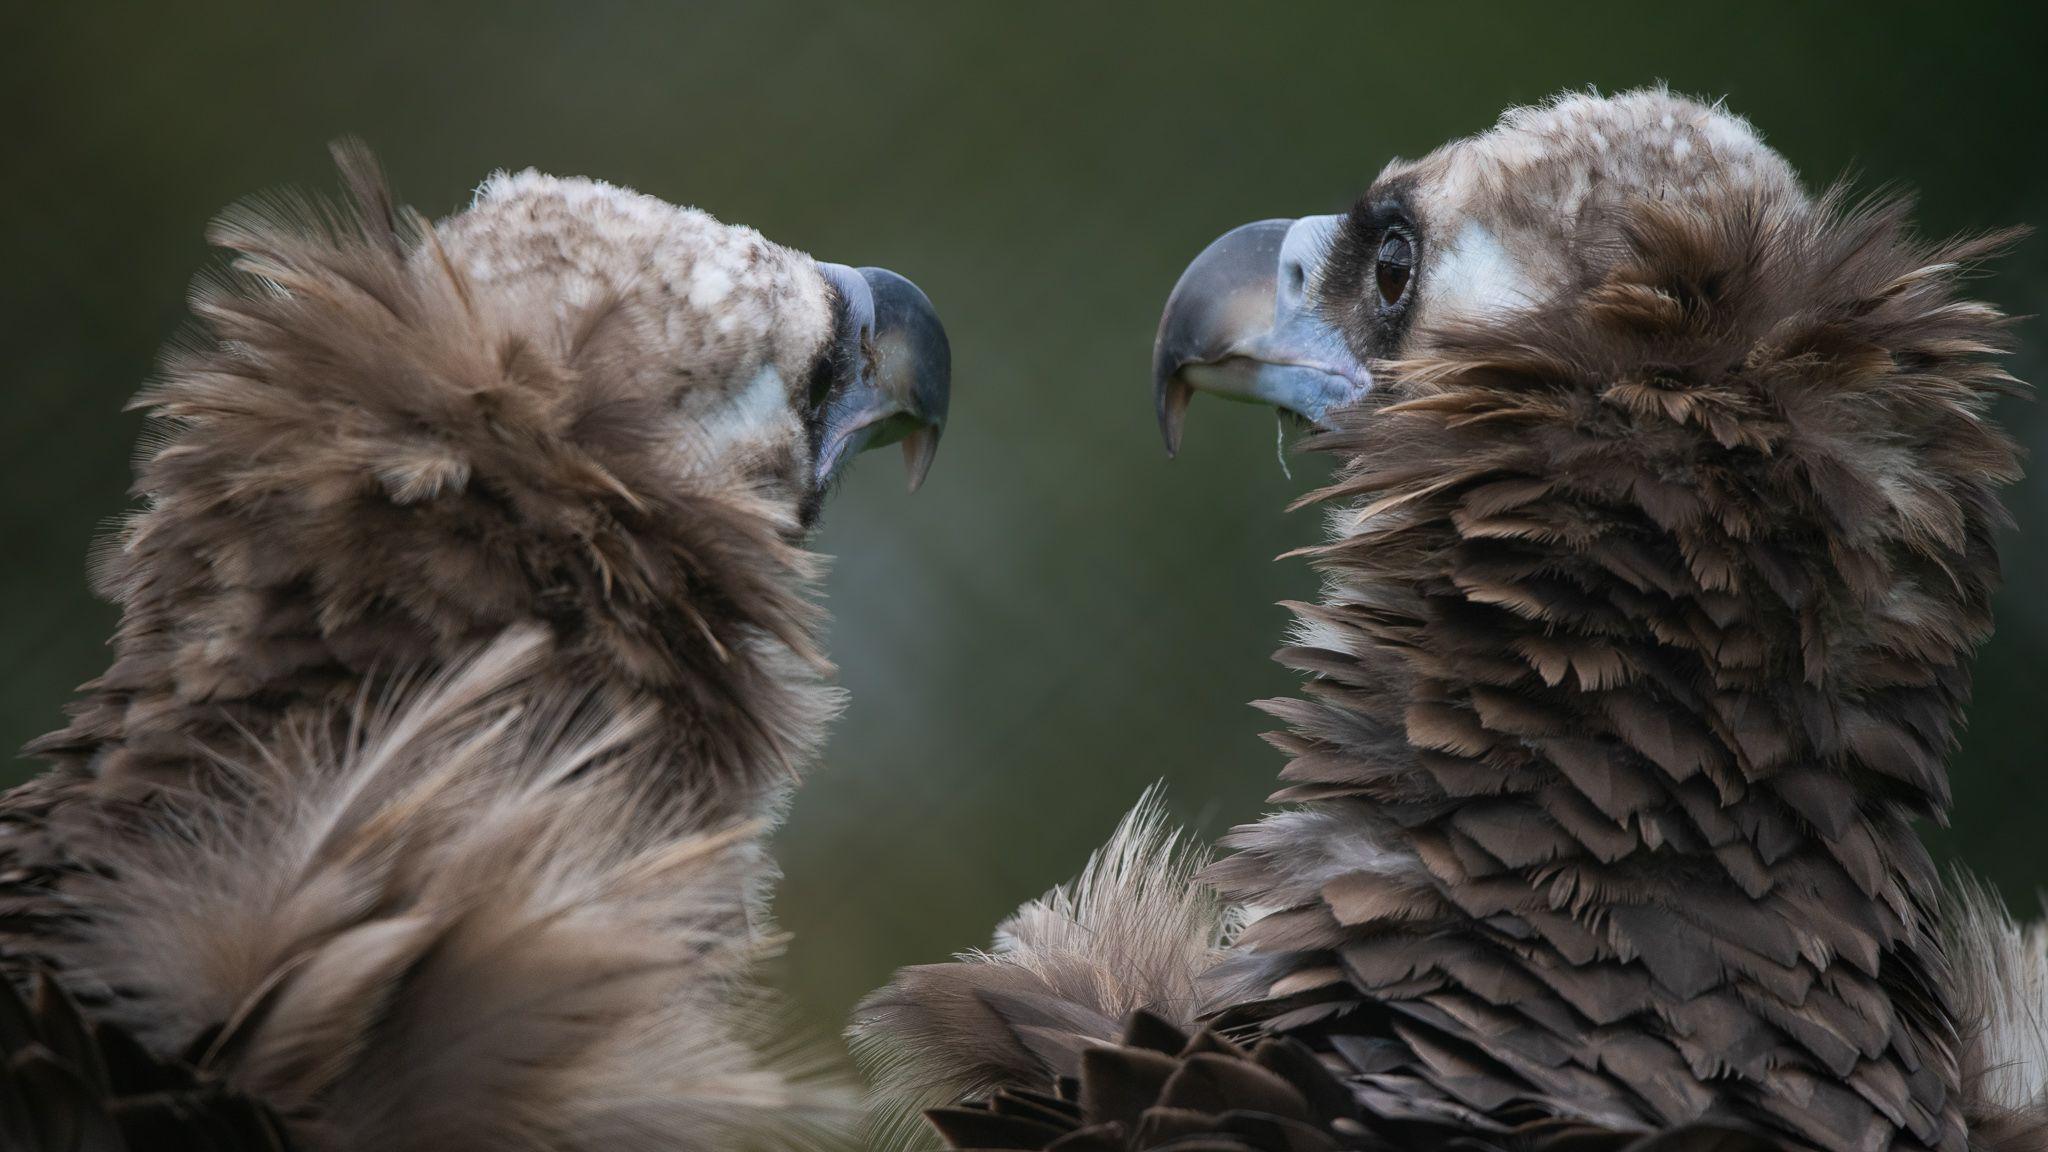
(1662, 539)
(1529, 217)
(743, 362)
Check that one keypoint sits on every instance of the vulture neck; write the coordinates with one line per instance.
(213, 662)
(1646, 633)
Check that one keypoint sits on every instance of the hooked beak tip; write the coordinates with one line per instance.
(920, 448)
(896, 368)
(1174, 394)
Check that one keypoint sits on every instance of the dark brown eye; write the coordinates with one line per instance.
(1394, 265)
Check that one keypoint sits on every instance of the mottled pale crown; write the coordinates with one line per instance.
(1533, 205)
(718, 324)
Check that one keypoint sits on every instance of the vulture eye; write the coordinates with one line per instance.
(1394, 266)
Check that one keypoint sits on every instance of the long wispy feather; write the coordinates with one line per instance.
(464, 928)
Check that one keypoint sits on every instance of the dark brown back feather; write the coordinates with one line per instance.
(1159, 1088)
(71, 1084)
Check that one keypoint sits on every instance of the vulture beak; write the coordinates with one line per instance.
(1240, 324)
(891, 372)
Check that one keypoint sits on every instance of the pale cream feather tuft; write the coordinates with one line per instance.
(464, 928)
(1134, 930)
(2001, 989)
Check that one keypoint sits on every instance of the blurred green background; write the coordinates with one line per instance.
(1062, 616)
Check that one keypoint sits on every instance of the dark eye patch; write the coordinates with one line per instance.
(1368, 279)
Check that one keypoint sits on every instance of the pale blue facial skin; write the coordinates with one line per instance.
(1240, 325)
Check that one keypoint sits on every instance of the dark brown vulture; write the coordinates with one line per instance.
(1661, 543)
(467, 647)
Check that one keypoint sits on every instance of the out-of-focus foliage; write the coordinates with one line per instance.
(1062, 615)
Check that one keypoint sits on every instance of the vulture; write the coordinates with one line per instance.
(467, 648)
(1662, 536)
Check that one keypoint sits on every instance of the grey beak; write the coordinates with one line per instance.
(891, 376)
(1240, 324)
